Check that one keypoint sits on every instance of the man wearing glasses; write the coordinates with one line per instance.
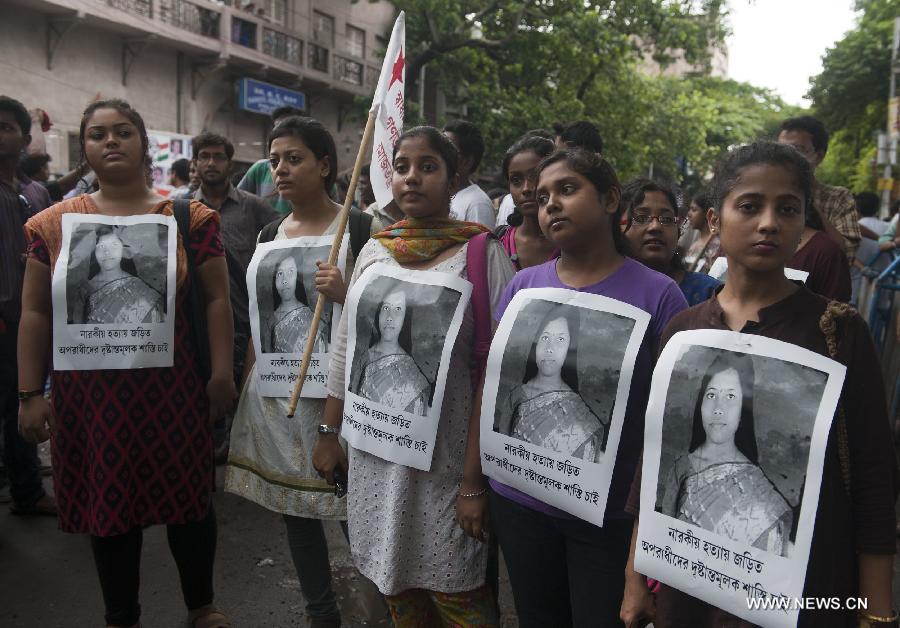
(20, 198)
(242, 215)
(835, 205)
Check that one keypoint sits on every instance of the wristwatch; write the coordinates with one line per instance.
(28, 394)
(327, 429)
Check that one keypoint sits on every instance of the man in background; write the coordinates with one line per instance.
(242, 215)
(835, 205)
(180, 177)
(469, 202)
(581, 134)
(37, 168)
(20, 199)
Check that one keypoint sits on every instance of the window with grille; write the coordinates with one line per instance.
(278, 44)
(276, 10)
(318, 58)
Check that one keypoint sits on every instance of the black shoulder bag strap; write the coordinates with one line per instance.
(359, 226)
(360, 230)
(268, 233)
(196, 305)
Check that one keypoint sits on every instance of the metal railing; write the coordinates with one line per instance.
(138, 7)
(282, 46)
(348, 71)
(318, 58)
(372, 75)
(218, 22)
(191, 17)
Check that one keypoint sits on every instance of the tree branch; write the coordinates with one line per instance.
(439, 46)
(491, 7)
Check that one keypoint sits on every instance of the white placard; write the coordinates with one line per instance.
(282, 289)
(113, 292)
(719, 270)
(402, 328)
(734, 449)
(555, 392)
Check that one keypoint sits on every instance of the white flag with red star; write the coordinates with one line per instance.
(388, 107)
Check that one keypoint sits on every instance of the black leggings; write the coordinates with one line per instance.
(118, 561)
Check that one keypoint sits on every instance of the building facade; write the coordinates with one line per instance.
(194, 65)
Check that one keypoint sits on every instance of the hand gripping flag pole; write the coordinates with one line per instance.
(385, 123)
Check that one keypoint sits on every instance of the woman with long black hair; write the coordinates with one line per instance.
(131, 447)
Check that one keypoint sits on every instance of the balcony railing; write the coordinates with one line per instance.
(348, 71)
(191, 17)
(318, 58)
(138, 7)
(282, 46)
(372, 75)
(224, 23)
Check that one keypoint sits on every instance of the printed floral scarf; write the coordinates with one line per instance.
(419, 240)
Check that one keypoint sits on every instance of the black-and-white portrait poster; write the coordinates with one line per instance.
(113, 292)
(402, 325)
(281, 284)
(734, 447)
(555, 391)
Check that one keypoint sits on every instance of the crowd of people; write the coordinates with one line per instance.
(136, 447)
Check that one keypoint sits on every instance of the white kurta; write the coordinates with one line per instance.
(403, 532)
(270, 458)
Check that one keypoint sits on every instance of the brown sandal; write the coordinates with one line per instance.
(208, 617)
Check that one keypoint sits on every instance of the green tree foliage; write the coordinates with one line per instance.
(523, 64)
(850, 94)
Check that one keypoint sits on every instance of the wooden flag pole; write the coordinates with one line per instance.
(332, 259)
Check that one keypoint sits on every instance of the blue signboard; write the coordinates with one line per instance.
(265, 98)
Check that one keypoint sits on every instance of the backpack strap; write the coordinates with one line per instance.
(834, 311)
(181, 208)
(268, 233)
(477, 273)
(360, 228)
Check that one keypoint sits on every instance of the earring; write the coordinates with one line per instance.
(515, 218)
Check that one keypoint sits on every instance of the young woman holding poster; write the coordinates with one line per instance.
(270, 459)
(651, 211)
(118, 436)
(521, 237)
(565, 571)
(402, 530)
(762, 192)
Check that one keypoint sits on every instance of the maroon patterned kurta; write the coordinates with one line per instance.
(134, 447)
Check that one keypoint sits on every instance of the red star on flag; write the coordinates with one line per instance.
(397, 70)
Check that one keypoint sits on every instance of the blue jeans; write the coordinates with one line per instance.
(19, 457)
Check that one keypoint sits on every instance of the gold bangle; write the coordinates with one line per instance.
(475, 494)
(878, 619)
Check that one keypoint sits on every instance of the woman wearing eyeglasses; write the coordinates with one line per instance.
(652, 233)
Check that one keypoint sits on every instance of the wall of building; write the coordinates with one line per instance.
(88, 66)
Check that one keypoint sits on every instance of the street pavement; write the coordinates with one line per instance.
(47, 578)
